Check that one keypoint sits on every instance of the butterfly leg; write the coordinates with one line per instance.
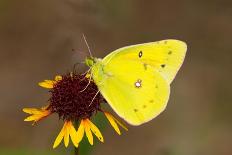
(88, 83)
(94, 97)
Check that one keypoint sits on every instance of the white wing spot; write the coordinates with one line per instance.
(138, 83)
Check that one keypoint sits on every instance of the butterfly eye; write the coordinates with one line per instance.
(140, 54)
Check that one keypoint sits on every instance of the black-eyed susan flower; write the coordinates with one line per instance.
(75, 98)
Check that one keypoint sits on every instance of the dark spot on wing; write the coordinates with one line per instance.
(165, 42)
(163, 65)
(140, 54)
(136, 110)
(156, 86)
(170, 52)
(144, 106)
(145, 66)
(151, 101)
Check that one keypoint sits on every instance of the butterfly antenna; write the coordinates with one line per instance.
(94, 97)
(90, 53)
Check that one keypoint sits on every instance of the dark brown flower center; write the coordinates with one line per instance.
(74, 98)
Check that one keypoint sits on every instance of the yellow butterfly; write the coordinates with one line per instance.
(135, 80)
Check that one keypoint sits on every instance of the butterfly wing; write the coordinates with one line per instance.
(164, 56)
(136, 93)
(135, 79)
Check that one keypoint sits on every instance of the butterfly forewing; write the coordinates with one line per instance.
(164, 56)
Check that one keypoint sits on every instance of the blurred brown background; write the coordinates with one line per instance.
(36, 42)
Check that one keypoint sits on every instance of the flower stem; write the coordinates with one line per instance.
(76, 151)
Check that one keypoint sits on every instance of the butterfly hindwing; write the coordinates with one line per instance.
(136, 93)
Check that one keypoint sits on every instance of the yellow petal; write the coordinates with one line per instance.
(35, 110)
(73, 134)
(66, 135)
(112, 122)
(80, 132)
(32, 118)
(58, 78)
(88, 131)
(31, 110)
(59, 138)
(96, 131)
(36, 114)
(47, 84)
(122, 125)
